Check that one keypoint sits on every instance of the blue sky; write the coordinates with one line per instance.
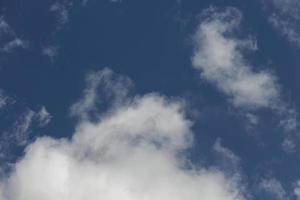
(97, 97)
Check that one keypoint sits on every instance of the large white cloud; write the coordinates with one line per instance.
(133, 152)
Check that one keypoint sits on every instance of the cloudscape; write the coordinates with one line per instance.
(149, 100)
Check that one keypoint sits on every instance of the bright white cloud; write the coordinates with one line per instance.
(133, 152)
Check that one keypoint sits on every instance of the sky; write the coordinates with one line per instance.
(149, 100)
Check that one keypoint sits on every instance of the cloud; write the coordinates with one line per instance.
(219, 54)
(228, 160)
(219, 57)
(43, 117)
(19, 132)
(101, 86)
(297, 190)
(133, 152)
(16, 134)
(274, 188)
(9, 39)
(51, 52)
(61, 11)
(285, 18)
(4, 99)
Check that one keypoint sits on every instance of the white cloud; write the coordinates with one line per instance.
(4, 99)
(229, 161)
(101, 86)
(21, 128)
(18, 133)
(297, 190)
(43, 117)
(9, 39)
(285, 18)
(219, 56)
(274, 188)
(51, 52)
(132, 153)
(61, 10)
(13, 44)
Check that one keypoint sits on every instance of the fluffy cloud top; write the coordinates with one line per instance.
(133, 152)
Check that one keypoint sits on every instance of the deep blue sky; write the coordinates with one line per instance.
(150, 42)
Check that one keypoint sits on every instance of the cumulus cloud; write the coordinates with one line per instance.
(219, 55)
(285, 18)
(133, 152)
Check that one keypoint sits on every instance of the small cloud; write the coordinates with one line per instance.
(9, 39)
(274, 188)
(43, 117)
(4, 99)
(227, 159)
(101, 86)
(285, 18)
(61, 10)
(51, 52)
(289, 145)
(15, 43)
(219, 57)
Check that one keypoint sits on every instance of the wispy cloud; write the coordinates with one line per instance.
(61, 11)
(117, 156)
(17, 131)
(4, 99)
(219, 55)
(273, 188)
(285, 18)
(9, 39)
(51, 52)
(101, 86)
